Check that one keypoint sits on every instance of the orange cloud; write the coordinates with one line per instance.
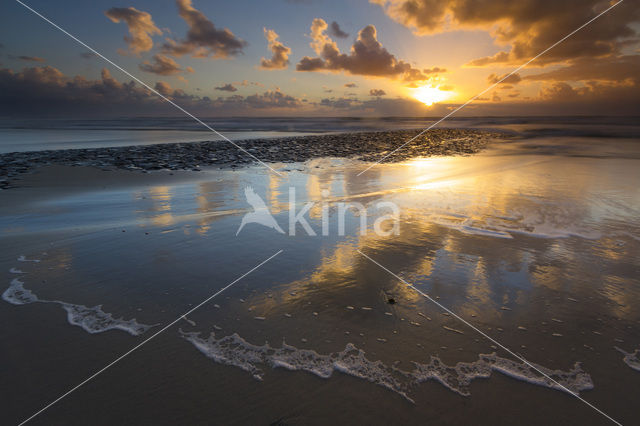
(528, 26)
(140, 25)
(367, 57)
(279, 52)
(163, 65)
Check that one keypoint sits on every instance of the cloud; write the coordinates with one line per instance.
(141, 27)
(163, 65)
(434, 70)
(88, 55)
(377, 92)
(340, 103)
(350, 85)
(28, 58)
(336, 31)
(619, 68)
(46, 91)
(500, 57)
(367, 57)
(227, 88)
(272, 99)
(203, 38)
(279, 52)
(527, 26)
(511, 79)
(248, 83)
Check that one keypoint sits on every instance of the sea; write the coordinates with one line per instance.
(44, 134)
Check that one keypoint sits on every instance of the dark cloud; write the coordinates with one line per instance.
(511, 79)
(367, 57)
(614, 69)
(377, 92)
(203, 38)
(340, 103)
(28, 58)
(279, 52)
(350, 85)
(163, 65)
(272, 99)
(336, 31)
(227, 88)
(141, 27)
(528, 26)
(45, 91)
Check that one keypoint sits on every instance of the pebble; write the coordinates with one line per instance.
(366, 146)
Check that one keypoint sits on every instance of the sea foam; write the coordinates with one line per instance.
(16, 294)
(91, 319)
(233, 350)
(632, 359)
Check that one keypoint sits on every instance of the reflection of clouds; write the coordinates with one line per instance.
(161, 204)
(446, 205)
(211, 197)
(275, 183)
(155, 205)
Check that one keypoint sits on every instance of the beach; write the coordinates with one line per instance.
(531, 236)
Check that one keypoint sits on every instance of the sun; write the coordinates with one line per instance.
(430, 95)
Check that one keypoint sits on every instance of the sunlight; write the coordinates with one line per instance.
(429, 95)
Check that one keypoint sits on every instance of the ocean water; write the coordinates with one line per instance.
(535, 242)
(43, 134)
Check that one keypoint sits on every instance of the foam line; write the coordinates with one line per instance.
(234, 351)
(92, 319)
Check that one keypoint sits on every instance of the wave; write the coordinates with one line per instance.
(92, 319)
(234, 351)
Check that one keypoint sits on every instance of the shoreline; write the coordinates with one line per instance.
(366, 146)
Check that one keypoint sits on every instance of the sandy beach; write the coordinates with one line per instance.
(97, 258)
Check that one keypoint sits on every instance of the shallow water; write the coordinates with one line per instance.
(535, 242)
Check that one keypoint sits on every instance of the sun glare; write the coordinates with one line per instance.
(430, 95)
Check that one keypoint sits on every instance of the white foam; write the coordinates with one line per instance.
(632, 359)
(235, 351)
(15, 271)
(93, 320)
(24, 259)
(16, 294)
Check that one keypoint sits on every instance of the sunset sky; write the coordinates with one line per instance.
(320, 57)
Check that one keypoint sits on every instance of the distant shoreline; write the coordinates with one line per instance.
(366, 146)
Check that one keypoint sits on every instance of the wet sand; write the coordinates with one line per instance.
(368, 146)
(535, 246)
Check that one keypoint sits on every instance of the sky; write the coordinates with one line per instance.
(320, 57)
